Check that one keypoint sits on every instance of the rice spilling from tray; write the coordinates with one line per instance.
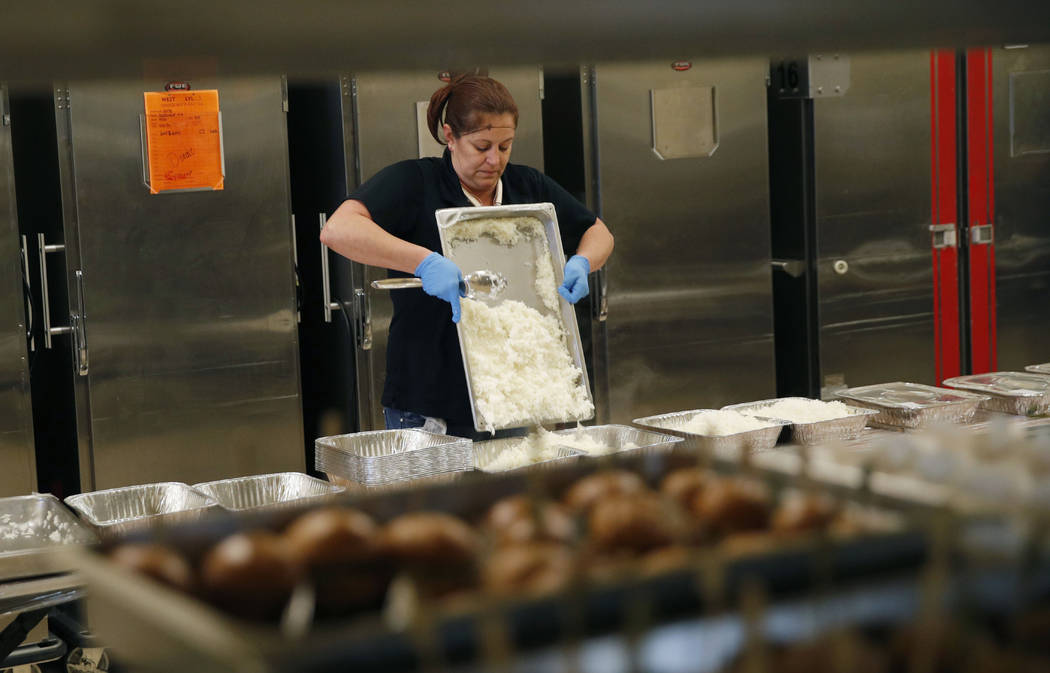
(541, 445)
(716, 423)
(520, 365)
(800, 410)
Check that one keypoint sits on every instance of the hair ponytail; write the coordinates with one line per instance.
(461, 101)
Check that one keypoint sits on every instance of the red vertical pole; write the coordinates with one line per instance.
(980, 199)
(945, 253)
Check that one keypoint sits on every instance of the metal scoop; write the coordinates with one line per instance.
(483, 284)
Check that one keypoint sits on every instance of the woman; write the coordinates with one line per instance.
(389, 222)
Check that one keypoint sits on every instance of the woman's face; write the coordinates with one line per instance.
(480, 157)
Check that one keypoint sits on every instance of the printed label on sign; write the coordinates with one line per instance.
(177, 86)
(184, 140)
(681, 66)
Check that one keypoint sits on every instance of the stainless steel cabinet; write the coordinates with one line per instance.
(677, 166)
(17, 456)
(183, 304)
(384, 111)
(1021, 146)
(872, 164)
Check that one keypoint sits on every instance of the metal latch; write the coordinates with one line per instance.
(792, 267)
(982, 234)
(944, 236)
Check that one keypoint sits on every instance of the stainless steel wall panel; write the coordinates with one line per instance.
(689, 292)
(189, 297)
(17, 456)
(1022, 204)
(387, 133)
(872, 155)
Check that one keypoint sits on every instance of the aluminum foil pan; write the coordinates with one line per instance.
(618, 439)
(488, 451)
(387, 456)
(1039, 369)
(1018, 393)
(31, 528)
(749, 440)
(913, 405)
(120, 510)
(422, 482)
(817, 432)
(513, 262)
(263, 491)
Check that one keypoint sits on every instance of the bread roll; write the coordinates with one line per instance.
(588, 490)
(519, 519)
(732, 505)
(636, 522)
(250, 575)
(429, 538)
(533, 568)
(685, 484)
(332, 535)
(156, 561)
(803, 513)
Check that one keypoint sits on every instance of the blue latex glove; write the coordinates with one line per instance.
(575, 286)
(442, 279)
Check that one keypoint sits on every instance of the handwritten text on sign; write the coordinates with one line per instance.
(184, 140)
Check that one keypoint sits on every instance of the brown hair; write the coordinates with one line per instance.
(461, 101)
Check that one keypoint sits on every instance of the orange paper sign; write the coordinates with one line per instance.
(184, 140)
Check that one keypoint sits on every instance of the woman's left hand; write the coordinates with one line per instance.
(575, 286)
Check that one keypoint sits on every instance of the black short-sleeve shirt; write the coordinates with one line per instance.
(424, 367)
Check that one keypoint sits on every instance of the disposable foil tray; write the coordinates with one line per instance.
(1039, 369)
(117, 511)
(267, 490)
(816, 432)
(487, 451)
(749, 440)
(388, 456)
(621, 438)
(913, 405)
(1018, 393)
(32, 527)
(515, 263)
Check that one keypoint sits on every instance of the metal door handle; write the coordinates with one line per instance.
(364, 319)
(78, 323)
(43, 249)
(326, 284)
(601, 290)
(397, 283)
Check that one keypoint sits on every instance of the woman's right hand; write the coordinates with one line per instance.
(442, 279)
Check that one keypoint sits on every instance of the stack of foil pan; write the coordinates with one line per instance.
(265, 491)
(816, 432)
(913, 405)
(117, 511)
(388, 456)
(1039, 369)
(1015, 393)
(486, 452)
(31, 527)
(748, 440)
(619, 438)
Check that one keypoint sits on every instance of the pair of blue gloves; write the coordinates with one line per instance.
(443, 279)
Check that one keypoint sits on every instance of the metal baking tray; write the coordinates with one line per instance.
(749, 440)
(913, 405)
(1018, 393)
(514, 262)
(623, 439)
(31, 528)
(117, 511)
(487, 451)
(1043, 368)
(388, 456)
(817, 432)
(267, 490)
